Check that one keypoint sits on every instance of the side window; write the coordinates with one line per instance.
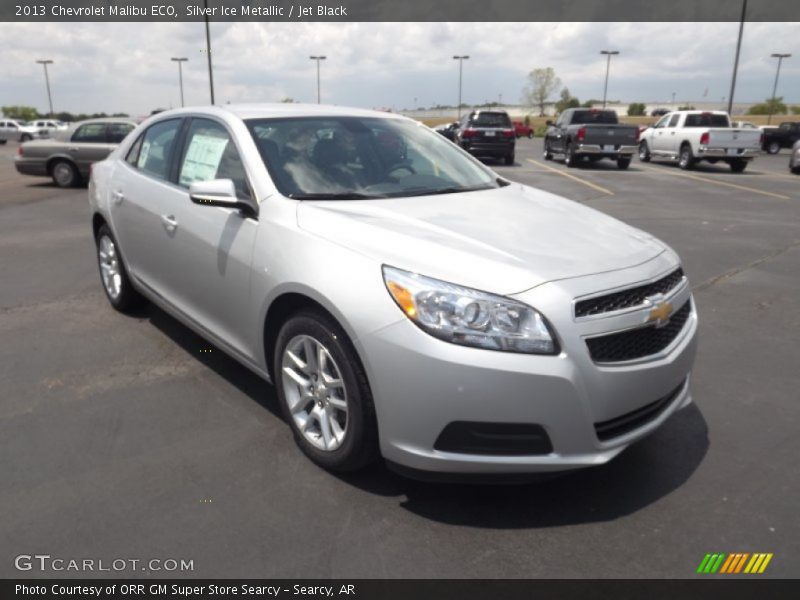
(673, 122)
(156, 148)
(117, 131)
(133, 154)
(211, 154)
(662, 122)
(93, 133)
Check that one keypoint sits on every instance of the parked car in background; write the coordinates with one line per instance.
(659, 112)
(744, 125)
(17, 131)
(691, 136)
(794, 159)
(592, 134)
(448, 130)
(783, 136)
(68, 156)
(46, 128)
(487, 134)
(522, 130)
(427, 311)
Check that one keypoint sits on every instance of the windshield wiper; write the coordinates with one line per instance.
(445, 190)
(336, 196)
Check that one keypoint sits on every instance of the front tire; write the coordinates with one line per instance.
(773, 148)
(686, 158)
(644, 152)
(65, 174)
(548, 153)
(116, 283)
(324, 393)
(530, 135)
(25, 137)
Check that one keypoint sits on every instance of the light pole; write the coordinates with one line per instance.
(318, 59)
(180, 74)
(44, 63)
(780, 58)
(460, 59)
(673, 100)
(736, 60)
(208, 53)
(609, 54)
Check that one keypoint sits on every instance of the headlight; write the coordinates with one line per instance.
(469, 317)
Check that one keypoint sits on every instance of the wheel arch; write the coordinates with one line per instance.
(60, 157)
(285, 303)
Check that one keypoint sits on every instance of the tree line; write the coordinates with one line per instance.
(29, 113)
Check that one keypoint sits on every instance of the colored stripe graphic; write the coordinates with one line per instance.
(737, 562)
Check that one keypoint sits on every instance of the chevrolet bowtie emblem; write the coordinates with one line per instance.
(659, 315)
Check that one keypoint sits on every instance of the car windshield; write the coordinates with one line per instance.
(490, 119)
(345, 158)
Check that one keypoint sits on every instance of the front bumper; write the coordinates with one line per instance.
(587, 149)
(422, 384)
(707, 152)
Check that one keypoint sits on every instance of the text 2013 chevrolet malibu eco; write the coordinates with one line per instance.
(405, 300)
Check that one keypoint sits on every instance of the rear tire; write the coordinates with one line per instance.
(509, 159)
(530, 135)
(116, 283)
(2, 142)
(624, 162)
(773, 148)
(738, 166)
(686, 158)
(65, 174)
(570, 159)
(25, 137)
(644, 152)
(334, 425)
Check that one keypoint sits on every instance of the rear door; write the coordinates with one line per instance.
(144, 203)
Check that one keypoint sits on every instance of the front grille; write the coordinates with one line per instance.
(637, 343)
(627, 298)
(636, 418)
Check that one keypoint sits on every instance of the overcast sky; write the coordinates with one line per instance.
(125, 67)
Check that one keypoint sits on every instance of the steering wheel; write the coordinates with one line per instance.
(400, 166)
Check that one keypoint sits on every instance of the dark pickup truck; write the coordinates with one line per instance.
(783, 136)
(592, 134)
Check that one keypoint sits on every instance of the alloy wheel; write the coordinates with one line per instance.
(109, 267)
(315, 392)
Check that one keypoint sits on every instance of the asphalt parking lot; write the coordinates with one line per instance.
(132, 437)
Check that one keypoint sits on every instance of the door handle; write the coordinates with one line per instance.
(73, 149)
(170, 223)
(118, 197)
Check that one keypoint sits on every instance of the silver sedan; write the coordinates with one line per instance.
(405, 300)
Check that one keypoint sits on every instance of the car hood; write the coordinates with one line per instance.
(503, 240)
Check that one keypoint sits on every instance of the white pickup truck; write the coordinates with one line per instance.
(689, 136)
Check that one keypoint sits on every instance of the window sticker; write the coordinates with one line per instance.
(202, 158)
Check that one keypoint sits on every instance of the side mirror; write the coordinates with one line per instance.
(548, 123)
(220, 192)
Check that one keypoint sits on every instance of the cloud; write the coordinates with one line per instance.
(126, 66)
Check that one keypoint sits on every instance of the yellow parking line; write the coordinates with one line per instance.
(714, 181)
(570, 176)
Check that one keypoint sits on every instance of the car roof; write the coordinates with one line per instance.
(77, 124)
(278, 110)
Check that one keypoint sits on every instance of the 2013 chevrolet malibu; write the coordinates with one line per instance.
(404, 299)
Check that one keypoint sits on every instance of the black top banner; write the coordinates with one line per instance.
(400, 10)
